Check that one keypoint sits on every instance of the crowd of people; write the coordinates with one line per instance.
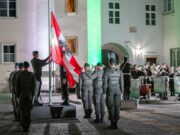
(99, 86)
(155, 70)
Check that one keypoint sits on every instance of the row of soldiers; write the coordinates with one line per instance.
(100, 86)
(22, 86)
(25, 87)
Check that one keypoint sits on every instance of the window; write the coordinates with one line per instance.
(7, 8)
(168, 6)
(175, 57)
(72, 44)
(71, 7)
(8, 52)
(150, 14)
(114, 12)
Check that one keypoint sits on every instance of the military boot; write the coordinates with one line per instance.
(111, 126)
(86, 114)
(115, 125)
(102, 119)
(89, 113)
(97, 120)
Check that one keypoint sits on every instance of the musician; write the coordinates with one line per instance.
(171, 81)
(164, 71)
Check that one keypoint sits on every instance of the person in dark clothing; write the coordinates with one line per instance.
(37, 65)
(12, 91)
(171, 82)
(25, 87)
(126, 70)
(64, 87)
(14, 78)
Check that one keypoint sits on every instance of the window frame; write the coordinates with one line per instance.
(76, 38)
(114, 11)
(76, 8)
(8, 9)
(150, 12)
(171, 56)
(165, 7)
(2, 49)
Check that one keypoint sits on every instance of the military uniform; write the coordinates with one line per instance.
(98, 96)
(64, 86)
(86, 86)
(25, 88)
(113, 86)
(37, 65)
(126, 70)
(13, 96)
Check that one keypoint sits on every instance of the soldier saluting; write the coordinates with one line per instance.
(98, 96)
(86, 86)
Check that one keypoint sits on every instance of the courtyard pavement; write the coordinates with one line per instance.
(151, 118)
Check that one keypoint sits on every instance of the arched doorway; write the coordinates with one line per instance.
(113, 50)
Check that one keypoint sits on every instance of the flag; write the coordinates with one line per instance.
(61, 54)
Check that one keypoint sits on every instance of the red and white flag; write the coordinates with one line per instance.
(61, 54)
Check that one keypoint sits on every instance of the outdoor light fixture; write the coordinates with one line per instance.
(139, 50)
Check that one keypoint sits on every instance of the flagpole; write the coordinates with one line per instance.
(49, 37)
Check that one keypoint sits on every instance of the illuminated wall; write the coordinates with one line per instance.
(171, 31)
(94, 31)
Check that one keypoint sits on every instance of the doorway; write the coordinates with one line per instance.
(151, 60)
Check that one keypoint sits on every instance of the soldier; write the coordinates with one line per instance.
(37, 65)
(98, 96)
(113, 86)
(78, 91)
(171, 81)
(126, 70)
(86, 88)
(25, 86)
(64, 87)
(178, 74)
(12, 91)
(20, 65)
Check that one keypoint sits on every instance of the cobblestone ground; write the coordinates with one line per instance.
(149, 119)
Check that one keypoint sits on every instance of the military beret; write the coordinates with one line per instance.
(86, 65)
(99, 64)
(16, 64)
(26, 64)
(35, 52)
(20, 65)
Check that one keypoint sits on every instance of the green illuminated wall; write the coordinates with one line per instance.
(94, 31)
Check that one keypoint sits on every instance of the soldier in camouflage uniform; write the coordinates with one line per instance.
(25, 88)
(113, 86)
(86, 88)
(12, 91)
(15, 90)
(98, 96)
